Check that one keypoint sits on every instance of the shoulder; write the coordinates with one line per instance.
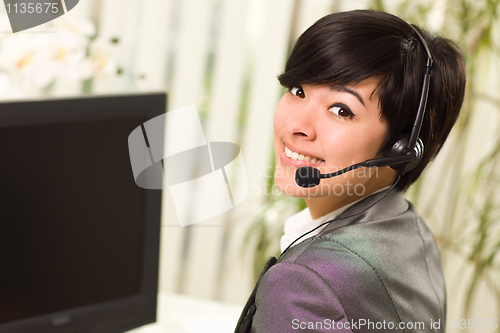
(322, 289)
(354, 273)
(306, 301)
(367, 267)
(375, 266)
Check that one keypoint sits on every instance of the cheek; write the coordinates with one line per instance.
(349, 145)
(279, 117)
(279, 123)
(374, 139)
(343, 146)
(378, 133)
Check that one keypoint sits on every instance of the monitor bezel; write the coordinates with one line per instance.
(117, 315)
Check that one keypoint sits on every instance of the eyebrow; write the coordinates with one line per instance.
(347, 90)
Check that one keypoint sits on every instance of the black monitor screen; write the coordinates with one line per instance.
(71, 228)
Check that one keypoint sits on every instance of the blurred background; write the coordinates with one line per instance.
(224, 56)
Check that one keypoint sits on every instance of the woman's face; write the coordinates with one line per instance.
(329, 127)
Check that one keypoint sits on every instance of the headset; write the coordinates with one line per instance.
(405, 153)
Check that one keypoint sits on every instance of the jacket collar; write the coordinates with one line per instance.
(390, 205)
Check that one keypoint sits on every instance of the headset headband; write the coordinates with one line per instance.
(423, 98)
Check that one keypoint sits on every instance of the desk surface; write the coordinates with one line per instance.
(185, 314)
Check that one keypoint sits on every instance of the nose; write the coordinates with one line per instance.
(301, 122)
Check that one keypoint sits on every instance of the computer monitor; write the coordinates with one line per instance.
(79, 240)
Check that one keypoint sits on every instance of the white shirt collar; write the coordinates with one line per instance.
(302, 222)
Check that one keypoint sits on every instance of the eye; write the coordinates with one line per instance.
(298, 91)
(341, 111)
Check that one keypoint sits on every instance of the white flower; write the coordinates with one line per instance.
(37, 59)
(103, 56)
(7, 90)
(61, 49)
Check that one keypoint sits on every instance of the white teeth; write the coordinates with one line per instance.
(300, 157)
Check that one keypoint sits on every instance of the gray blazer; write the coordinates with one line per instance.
(379, 271)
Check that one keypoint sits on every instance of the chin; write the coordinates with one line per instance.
(289, 187)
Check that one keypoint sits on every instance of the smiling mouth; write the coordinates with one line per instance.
(300, 157)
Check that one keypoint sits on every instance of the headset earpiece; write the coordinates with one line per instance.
(400, 148)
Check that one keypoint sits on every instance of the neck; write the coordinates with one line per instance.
(321, 206)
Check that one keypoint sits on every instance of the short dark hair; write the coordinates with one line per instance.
(346, 47)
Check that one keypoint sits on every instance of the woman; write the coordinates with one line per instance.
(359, 258)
